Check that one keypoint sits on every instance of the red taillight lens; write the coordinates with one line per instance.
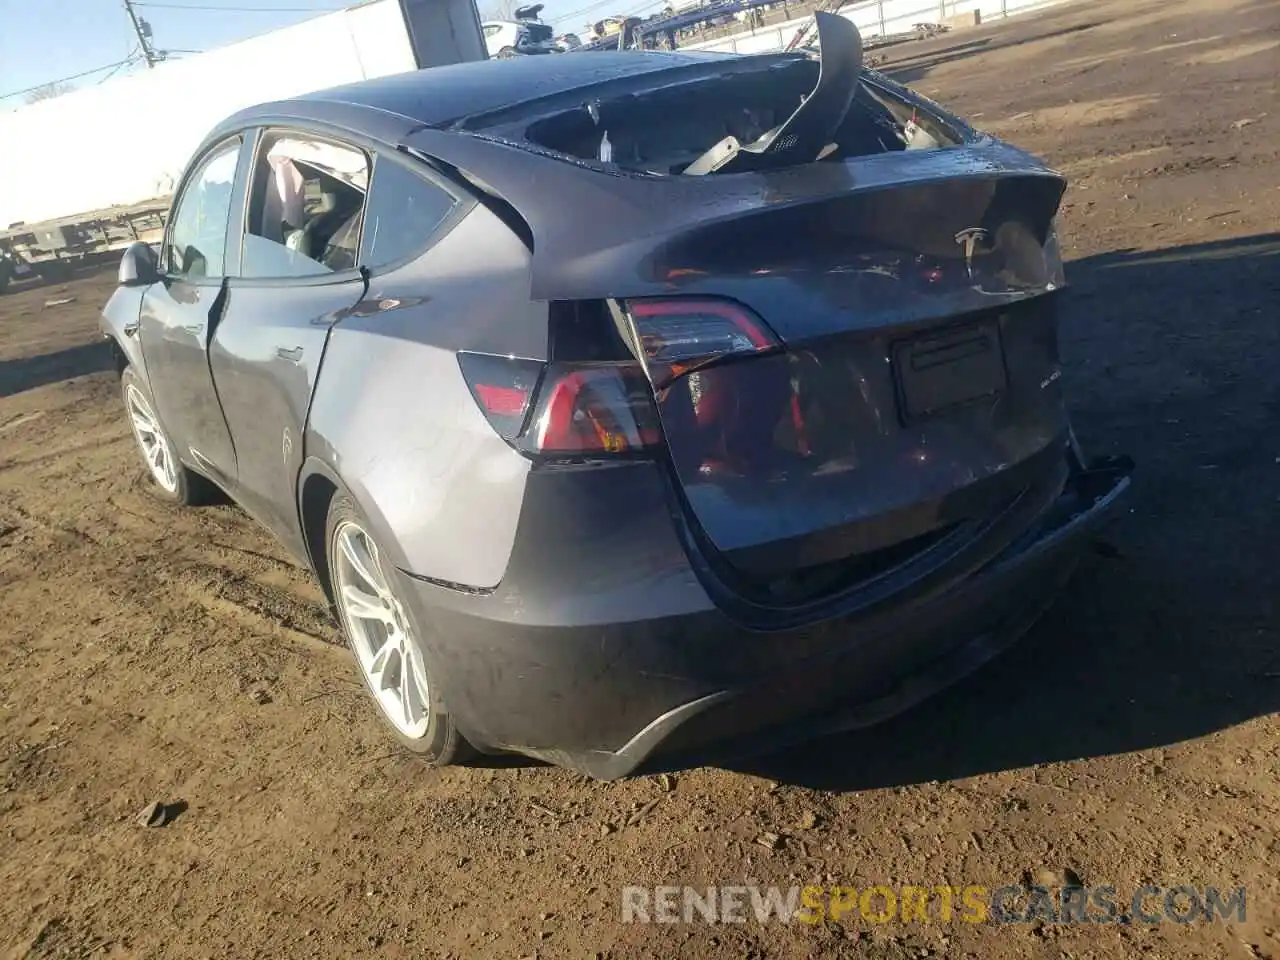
(577, 410)
(503, 387)
(677, 336)
(604, 408)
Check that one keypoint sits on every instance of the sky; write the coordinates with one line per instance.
(47, 40)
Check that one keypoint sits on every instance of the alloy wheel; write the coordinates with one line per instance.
(380, 632)
(151, 440)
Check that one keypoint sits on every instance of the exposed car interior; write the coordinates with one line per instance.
(792, 111)
(307, 202)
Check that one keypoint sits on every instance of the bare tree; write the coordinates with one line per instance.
(48, 91)
(500, 10)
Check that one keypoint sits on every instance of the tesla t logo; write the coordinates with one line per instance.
(969, 239)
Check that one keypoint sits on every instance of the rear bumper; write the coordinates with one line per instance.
(669, 674)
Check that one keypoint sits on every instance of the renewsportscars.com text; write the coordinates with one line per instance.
(1012, 904)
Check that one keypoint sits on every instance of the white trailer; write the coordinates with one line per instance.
(75, 169)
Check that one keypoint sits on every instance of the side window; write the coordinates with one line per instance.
(198, 235)
(306, 208)
(404, 211)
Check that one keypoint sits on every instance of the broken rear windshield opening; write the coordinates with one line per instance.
(784, 114)
(666, 130)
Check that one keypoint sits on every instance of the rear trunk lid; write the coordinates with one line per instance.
(911, 390)
(914, 388)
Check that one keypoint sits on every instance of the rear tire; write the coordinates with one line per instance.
(385, 640)
(169, 480)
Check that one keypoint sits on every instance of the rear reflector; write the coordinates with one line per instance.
(677, 336)
(503, 401)
(503, 387)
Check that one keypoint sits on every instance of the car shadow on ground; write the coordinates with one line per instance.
(1171, 357)
(27, 373)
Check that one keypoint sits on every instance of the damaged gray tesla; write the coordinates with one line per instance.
(630, 408)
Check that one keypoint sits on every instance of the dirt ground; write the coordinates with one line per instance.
(152, 654)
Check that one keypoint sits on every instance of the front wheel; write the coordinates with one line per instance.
(386, 643)
(171, 480)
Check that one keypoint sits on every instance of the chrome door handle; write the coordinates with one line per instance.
(294, 354)
(131, 328)
(194, 329)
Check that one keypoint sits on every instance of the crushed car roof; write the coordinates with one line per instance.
(442, 95)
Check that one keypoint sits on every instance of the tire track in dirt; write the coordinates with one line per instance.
(258, 607)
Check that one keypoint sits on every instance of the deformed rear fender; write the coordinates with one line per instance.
(320, 464)
(394, 424)
(318, 475)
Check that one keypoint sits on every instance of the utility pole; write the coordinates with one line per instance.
(143, 30)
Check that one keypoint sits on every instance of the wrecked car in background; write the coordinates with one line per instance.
(767, 439)
(524, 35)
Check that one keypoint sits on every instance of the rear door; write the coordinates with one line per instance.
(297, 275)
(179, 314)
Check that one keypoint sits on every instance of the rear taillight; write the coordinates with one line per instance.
(568, 410)
(593, 410)
(677, 336)
(564, 410)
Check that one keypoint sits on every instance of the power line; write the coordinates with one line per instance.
(74, 76)
(132, 58)
(573, 14)
(222, 9)
(643, 6)
(145, 50)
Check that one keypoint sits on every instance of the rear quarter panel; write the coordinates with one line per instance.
(394, 421)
